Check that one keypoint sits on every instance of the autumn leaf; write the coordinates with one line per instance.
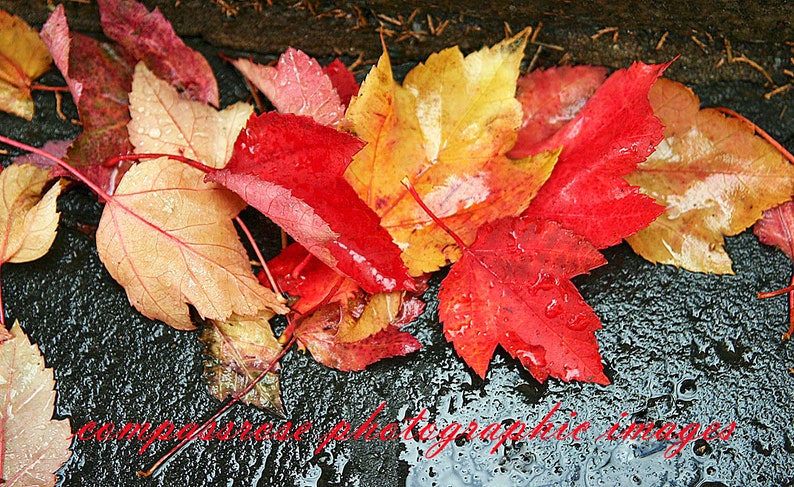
(149, 37)
(551, 98)
(343, 80)
(28, 220)
(33, 446)
(296, 85)
(238, 351)
(23, 58)
(447, 128)
(776, 228)
(351, 337)
(605, 141)
(163, 122)
(99, 77)
(303, 276)
(167, 238)
(512, 288)
(290, 168)
(713, 175)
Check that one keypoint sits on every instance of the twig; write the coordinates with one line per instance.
(777, 91)
(754, 65)
(606, 30)
(662, 40)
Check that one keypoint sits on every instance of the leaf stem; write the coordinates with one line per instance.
(57, 89)
(175, 450)
(262, 262)
(405, 182)
(69, 168)
(134, 157)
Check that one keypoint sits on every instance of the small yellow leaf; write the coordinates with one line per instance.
(714, 176)
(28, 221)
(23, 58)
(379, 312)
(167, 237)
(34, 446)
(164, 122)
(447, 129)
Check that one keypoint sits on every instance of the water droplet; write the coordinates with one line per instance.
(577, 323)
(154, 132)
(553, 309)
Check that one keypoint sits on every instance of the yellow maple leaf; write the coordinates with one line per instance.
(714, 176)
(34, 446)
(447, 128)
(23, 58)
(165, 122)
(28, 221)
(168, 239)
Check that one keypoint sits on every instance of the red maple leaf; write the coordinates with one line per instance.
(343, 80)
(606, 140)
(512, 288)
(149, 37)
(290, 168)
(99, 77)
(551, 98)
(320, 334)
(297, 84)
(301, 275)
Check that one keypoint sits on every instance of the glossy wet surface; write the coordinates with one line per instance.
(679, 348)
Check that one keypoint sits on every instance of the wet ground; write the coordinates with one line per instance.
(679, 347)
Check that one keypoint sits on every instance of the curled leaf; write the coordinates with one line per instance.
(33, 446)
(23, 58)
(28, 220)
(353, 336)
(714, 176)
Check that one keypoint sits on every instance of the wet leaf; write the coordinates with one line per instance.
(23, 58)
(28, 220)
(551, 98)
(447, 128)
(290, 168)
(149, 37)
(167, 238)
(776, 227)
(305, 278)
(33, 446)
(238, 351)
(165, 123)
(512, 288)
(605, 141)
(296, 85)
(343, 80)
(100, 77)
(352, 336)
(714, 176)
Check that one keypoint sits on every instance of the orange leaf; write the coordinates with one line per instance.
(32, 445)
(447, 128)
(714, 176)
(23, 58)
